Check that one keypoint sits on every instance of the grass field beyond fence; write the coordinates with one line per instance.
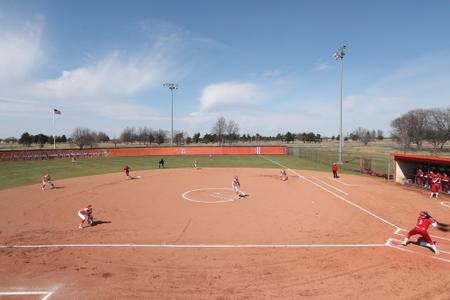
(14, 174)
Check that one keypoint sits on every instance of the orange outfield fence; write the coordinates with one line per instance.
(110, 152)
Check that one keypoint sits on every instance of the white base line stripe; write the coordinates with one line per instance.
(403, 248)
(334, 194)
(46, 295)
(341, 182)
(192, 246)
(331, 186)
(22, 293)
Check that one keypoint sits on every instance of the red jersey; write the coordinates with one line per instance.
(423, 223)
(86, 211)
(334, 168)
(126, 169)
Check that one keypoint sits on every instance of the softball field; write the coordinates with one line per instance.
(181, 234)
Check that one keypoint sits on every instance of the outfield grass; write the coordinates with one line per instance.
(13, 174)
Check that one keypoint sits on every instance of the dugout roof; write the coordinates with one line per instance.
(422, 159)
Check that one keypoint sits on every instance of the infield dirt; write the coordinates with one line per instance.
(194, 250)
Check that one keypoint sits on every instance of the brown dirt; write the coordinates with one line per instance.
(151, 211)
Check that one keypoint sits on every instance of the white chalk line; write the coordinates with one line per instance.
(225, 246)
(46, 294)
(445, 203)
(402, 248)
(229, 199)
(334, 194)
(342, 182)
(331, 186)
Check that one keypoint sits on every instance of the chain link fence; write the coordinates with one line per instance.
(366, 163)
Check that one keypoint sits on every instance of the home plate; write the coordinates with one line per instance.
(418, 248)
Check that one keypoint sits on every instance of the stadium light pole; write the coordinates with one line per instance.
(171, 86)
(339, 55)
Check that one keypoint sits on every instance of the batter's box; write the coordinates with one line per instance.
(418, 248)
(26, 295)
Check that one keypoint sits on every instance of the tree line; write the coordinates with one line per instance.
(27, 139)
(419, 125)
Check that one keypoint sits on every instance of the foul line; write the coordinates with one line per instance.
(445, 203)
(334, 194)
(47, 294)
(341, 182)
(331, 186)
(192, 246)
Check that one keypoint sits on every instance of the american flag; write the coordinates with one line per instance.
(56, 112)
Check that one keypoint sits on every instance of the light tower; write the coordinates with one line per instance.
(339, 55)
(171, 86)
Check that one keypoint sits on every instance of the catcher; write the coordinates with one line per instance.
(86, 215)
(423, 222)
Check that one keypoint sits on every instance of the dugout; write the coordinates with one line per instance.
(405, 165)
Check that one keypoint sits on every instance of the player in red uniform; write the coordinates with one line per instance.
(423, 222)
(435, 186)
(283, 175)
(127, 171)
(334, 168)
(86, 215)
(47, 179)
(419, 177)
(445, 183)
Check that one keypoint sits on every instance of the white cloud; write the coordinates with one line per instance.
(21, 50)
(114, 76)
(322, 67)
(351, 101)
(231, 95)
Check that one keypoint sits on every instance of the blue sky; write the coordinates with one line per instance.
(267, 65)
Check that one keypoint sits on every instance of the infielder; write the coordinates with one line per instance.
(86, 215)
(47, 179)
(283, 175)
(236, 185)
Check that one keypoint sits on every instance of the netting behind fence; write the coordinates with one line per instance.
(371, 164)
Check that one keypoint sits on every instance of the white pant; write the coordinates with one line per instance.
(83, 217)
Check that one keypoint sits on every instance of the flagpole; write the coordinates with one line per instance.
(54, 138)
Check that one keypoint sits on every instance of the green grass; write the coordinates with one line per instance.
(13, 174)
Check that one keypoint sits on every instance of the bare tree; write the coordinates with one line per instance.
(417, 120)
(438, 132)
(128, 135)
(363, 135)
(84, 137)
(411, 127)
(400, 132)
(102, 137)
(380, 135)
(179, 138)
(232, 131)
(160, 136)
(219, 129)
